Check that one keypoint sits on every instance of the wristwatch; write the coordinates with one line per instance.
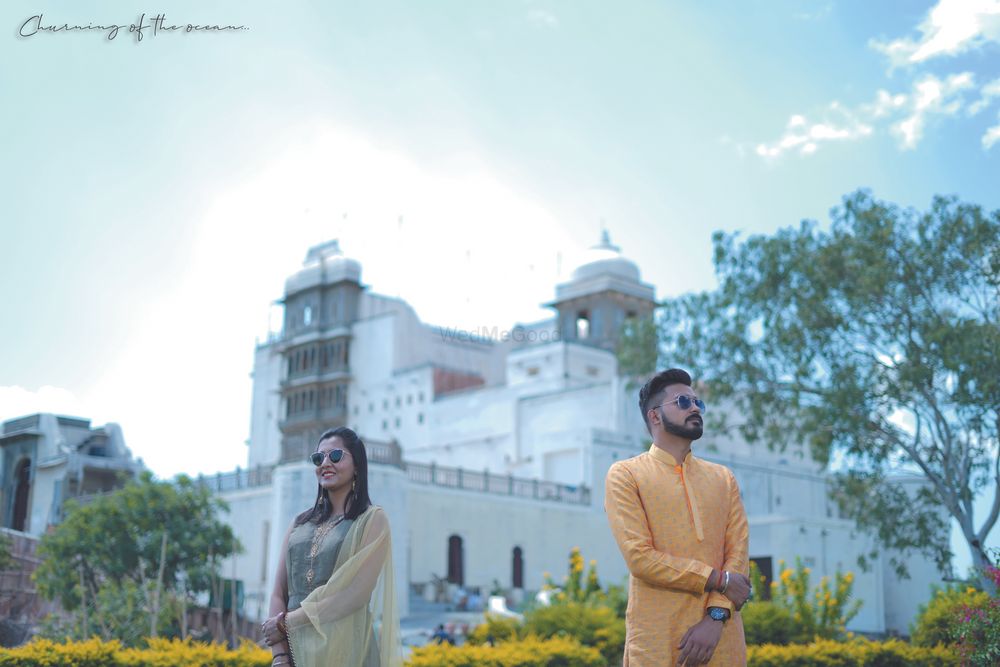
(718, 614)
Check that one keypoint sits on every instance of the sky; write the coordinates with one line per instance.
(156, 192)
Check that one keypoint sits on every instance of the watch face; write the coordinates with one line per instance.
(718, 613)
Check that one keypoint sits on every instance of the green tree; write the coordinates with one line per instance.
(133, 549)
(6, 551)
(877, 340)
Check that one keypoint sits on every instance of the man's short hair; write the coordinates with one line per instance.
(650, 393)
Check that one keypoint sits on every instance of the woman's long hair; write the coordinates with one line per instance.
(357, 500)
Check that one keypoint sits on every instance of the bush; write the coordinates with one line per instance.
(822, 612)
(529, 652)
(937, 620)
(500, 628)
(591, 626)
(767, 623)
(857, 653)
(158, 653)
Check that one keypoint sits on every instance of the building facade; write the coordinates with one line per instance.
(489, 452)
(46, 459)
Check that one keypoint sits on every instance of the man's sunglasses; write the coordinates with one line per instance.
(684, 402)
(334, 454)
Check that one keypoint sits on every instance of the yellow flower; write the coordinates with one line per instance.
(970, 590)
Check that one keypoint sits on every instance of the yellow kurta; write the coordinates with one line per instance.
(673, 524)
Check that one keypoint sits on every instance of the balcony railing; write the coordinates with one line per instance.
(238, 479)
(506, 485)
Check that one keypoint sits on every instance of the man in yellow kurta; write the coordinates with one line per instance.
(680, 524)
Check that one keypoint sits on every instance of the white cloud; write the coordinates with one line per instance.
(805, 137)
(180, 388)
(987, 93)
(17, 401)
(931, 96)
(907, 114)
(542, 18)
(992, 135)
(951, 27)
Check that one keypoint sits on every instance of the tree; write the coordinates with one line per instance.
(123, 551)
(878, 340)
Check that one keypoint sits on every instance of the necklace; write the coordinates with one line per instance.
(317, 539)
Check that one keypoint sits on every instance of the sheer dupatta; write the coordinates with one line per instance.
(356, 607)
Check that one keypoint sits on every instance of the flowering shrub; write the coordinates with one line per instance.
(820, 613)
(497, 628)
(936, 621)
(978, 628)
(594, 626)
(582, 611)
(158, 653)
(767, 623)
(528, 652)
(856, 653)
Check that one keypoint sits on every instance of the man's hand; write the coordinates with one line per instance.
(699, 642)
(738, 590)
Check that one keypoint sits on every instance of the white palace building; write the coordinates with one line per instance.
(488, 453)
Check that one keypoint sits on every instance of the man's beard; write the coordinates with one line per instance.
(691, 429)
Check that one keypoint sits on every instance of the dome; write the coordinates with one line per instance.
(325, 264)
(606, 259)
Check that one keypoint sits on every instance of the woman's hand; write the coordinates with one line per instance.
(273, 629)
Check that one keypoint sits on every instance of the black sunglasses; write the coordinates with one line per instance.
(334, 454)
(684, 402)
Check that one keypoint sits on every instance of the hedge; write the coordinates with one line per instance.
(159, 653)
(856, 653)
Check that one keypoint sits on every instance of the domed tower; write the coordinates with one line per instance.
(321, 303)
(602, 292)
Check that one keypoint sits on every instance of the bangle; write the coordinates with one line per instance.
(278, 655)
(281, 626)
(726, 584)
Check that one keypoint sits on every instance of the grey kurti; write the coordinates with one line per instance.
(297, 565)
(299, 545)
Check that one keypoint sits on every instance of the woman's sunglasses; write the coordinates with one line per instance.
(334, 454)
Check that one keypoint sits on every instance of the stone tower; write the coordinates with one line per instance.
(321, 303)
(602, 292)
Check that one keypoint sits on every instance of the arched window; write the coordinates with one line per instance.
(517, 567)
(22, 489)
(456, 559)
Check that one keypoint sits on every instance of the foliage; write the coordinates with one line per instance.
(820, 613)
(588, 590)
(880, 337)
(766, 622)
(157, 653)
(6, 551)
(595, 626)
(978, 629)
(575, 587)
(119, 611)
(499, 628)
(581, 610)
(936, 621)
(106, 554)
(528, 652)
(857, 653)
